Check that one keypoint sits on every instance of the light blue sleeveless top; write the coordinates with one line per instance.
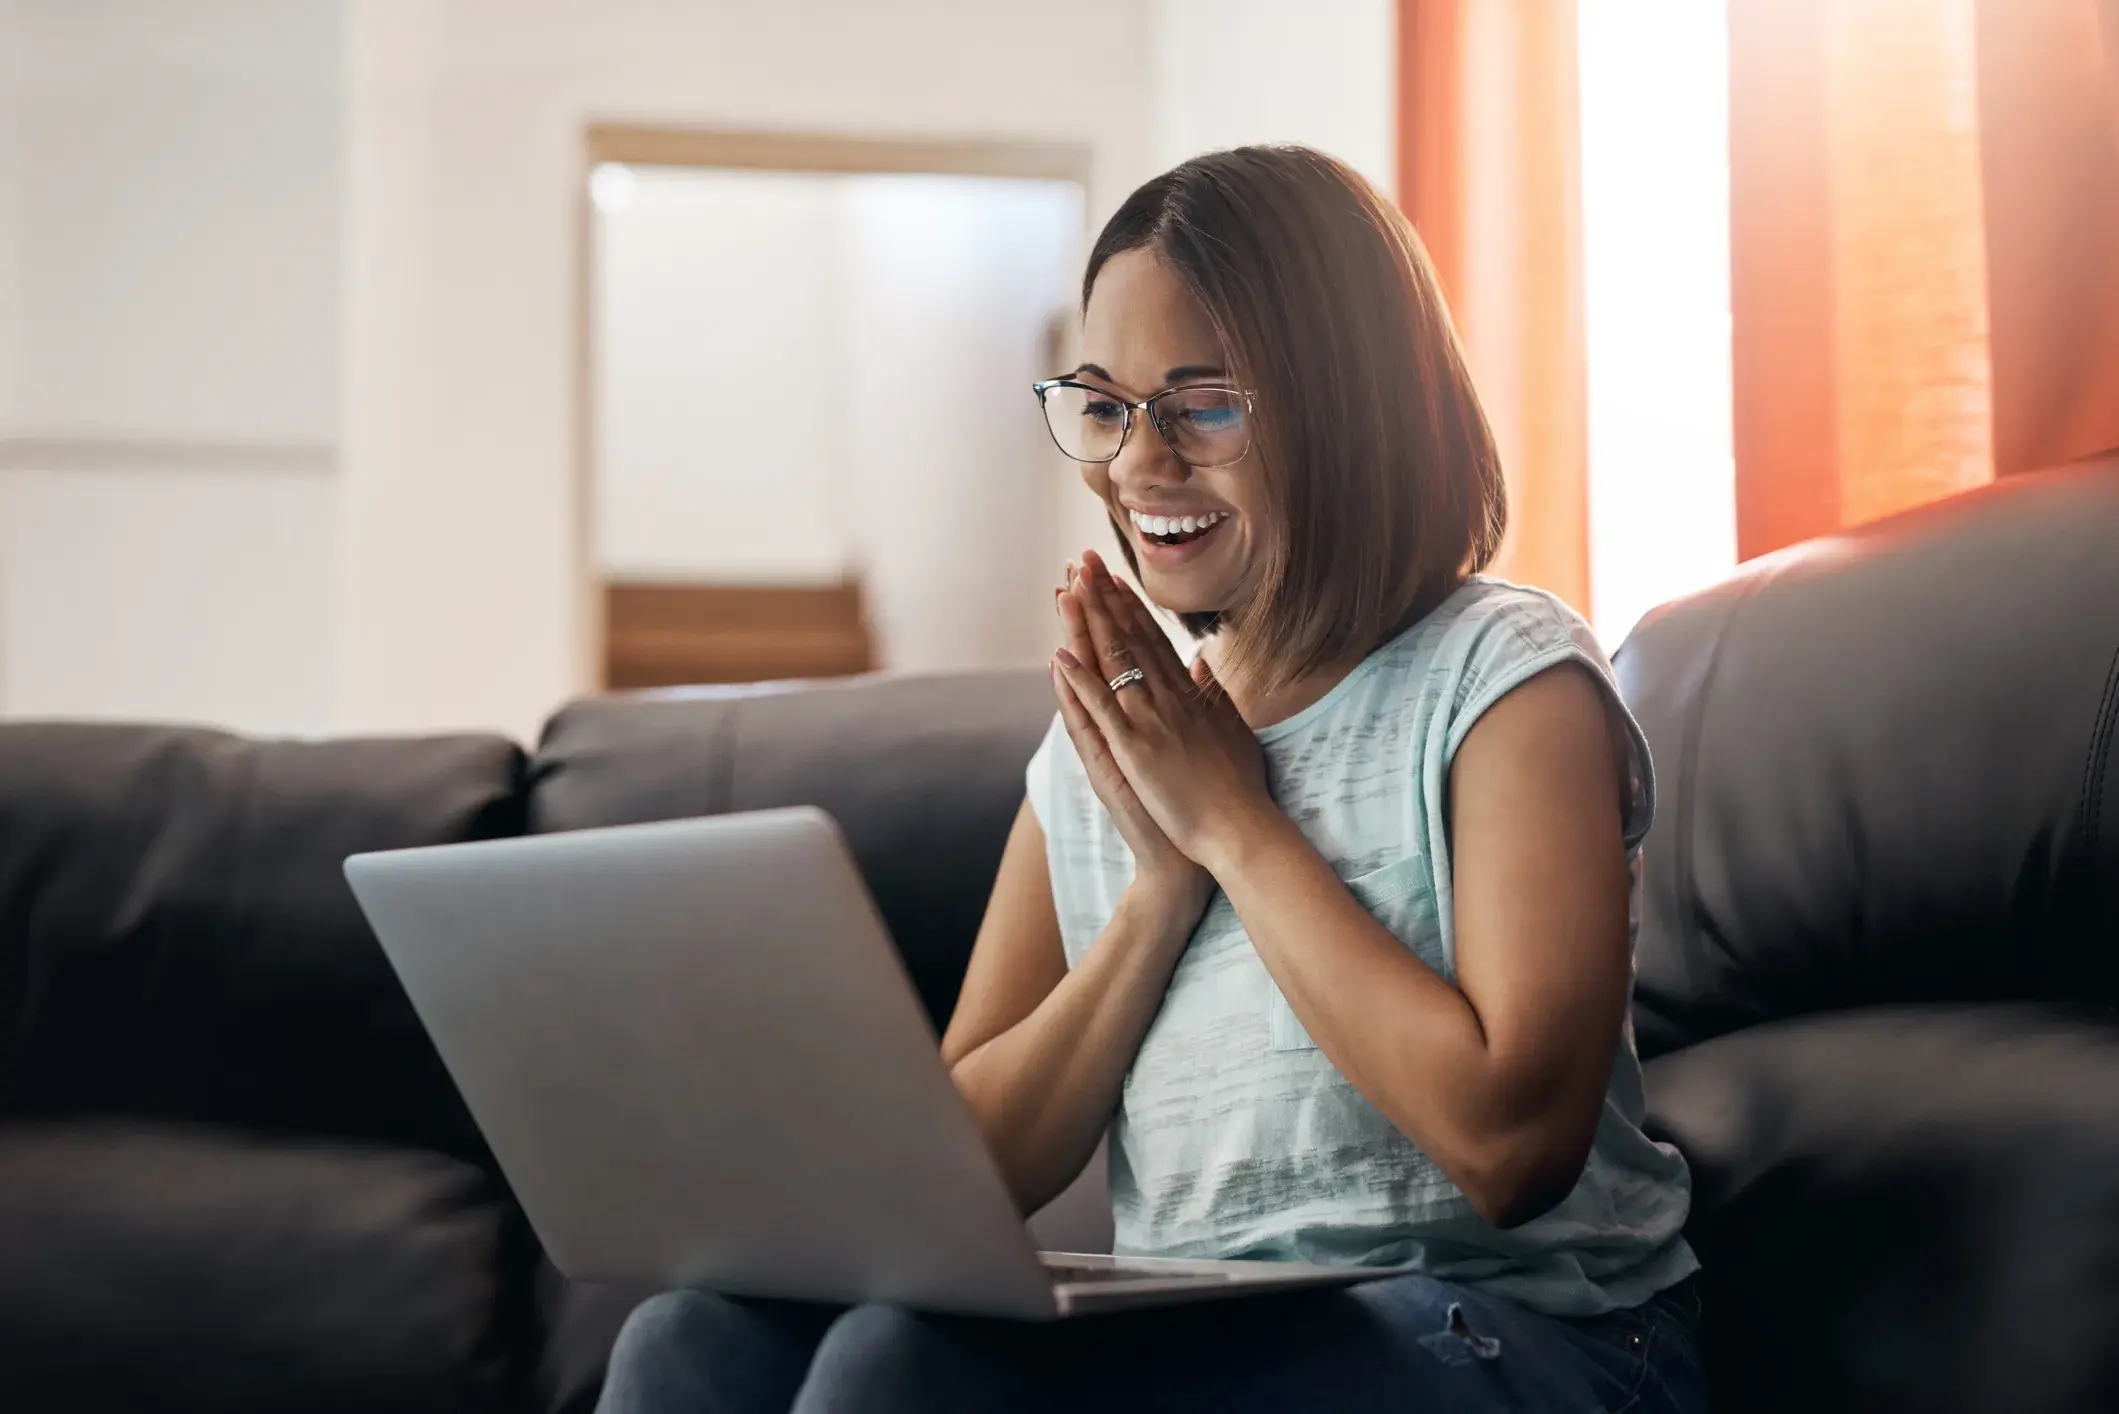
(1235, 1137)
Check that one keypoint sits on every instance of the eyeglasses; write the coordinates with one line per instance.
(1205, 427)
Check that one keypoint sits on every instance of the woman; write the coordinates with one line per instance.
(1328, 931)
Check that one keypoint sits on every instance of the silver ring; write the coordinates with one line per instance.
(1127, 678)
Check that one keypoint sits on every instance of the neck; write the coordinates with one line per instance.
(1261, 708)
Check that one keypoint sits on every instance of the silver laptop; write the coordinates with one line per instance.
(699, 1062)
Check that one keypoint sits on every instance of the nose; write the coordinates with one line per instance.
(1146, 459)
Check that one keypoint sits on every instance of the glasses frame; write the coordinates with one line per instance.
(1146, 407)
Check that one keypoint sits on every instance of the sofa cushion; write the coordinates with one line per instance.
(580, 1322)
(1887, 768)
(1905, 1209)
(177, 940)
(146, 1269)
(923, 773)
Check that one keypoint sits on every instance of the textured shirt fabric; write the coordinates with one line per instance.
(1235, 1136)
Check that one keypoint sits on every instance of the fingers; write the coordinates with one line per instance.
(1152, 649)
(1106, 776)
(1109, 628)
(1114, 653)
(1147, 646)
(1074, 619)
(1126, 607)
(1099, 638)
(1206, 687)
(1089, 743)
(1092, 694)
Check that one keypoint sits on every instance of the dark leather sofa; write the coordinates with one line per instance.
(1879, 953)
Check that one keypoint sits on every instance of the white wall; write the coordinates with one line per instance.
(967, 511)
(10, 236)
(181, 187)
(151, 594)
(721, 378)
(165, 462)
(463, 600)
(276, 238)
(10, 215)
(1230, 72)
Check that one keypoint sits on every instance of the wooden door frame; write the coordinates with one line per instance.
(649, 145)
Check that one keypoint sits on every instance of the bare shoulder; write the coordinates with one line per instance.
(1553, 736)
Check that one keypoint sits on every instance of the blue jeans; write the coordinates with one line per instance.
(1406, 1344)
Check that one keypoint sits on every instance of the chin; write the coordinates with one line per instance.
(1183, 593)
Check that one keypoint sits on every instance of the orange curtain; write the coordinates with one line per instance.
(1858, 268)
(2049, 129)
(1784, 409)
(1489, 172)
(1924, 198)
(1924, 205)
(1430, 124)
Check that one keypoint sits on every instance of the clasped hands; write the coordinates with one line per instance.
(1169, 755)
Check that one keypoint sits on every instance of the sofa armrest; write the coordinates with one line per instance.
(1906, 1208)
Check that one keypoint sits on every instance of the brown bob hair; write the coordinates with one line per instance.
(1381, 481)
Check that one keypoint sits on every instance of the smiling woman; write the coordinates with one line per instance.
(1326, 931)
(1301, 304)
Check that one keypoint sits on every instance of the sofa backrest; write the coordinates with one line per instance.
(923, 773)
(1886, 767)
(177, 940)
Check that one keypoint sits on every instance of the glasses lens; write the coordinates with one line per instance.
(1206, 426)
(1086, 424)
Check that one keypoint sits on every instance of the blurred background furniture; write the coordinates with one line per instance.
(1878, 959)
(233, 1174)
(663, 635)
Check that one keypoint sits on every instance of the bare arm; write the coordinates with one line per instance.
(1039, 1051)
(1500, 1078)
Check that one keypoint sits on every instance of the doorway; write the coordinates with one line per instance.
(812, 447)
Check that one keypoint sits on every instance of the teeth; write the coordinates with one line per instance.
(1175, 525)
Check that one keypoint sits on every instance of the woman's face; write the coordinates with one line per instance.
(1142, 333)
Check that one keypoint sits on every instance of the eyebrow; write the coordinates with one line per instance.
(1175, 375)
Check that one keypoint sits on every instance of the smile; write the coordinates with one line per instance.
(1175, 530)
